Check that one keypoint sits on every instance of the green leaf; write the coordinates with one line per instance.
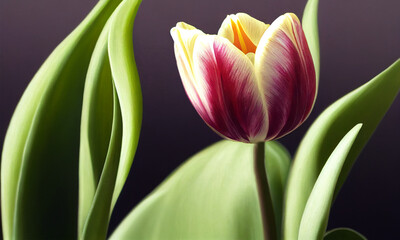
(100, 134)
(313, 223)
(367, 104)
(343, 234)
(310, 28)
(127, 85)
(39, 174)
(99, 186)
(97, 219)
(211, 196)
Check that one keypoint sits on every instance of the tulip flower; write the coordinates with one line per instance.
(252, 82)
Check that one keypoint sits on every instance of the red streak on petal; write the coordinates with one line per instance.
(291, 91)
(236, 109)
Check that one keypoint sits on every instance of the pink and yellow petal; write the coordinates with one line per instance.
(187, 78)
(184, 36)
(285, 70)
(233, 104)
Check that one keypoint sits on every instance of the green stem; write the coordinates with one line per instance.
(264, 197)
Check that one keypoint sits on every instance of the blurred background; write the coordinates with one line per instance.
(358, 40)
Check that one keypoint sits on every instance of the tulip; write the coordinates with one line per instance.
(252, 82)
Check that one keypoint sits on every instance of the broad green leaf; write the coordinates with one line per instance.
(313, 223)
(343, 234)
(310, 28)
(39, 173)
(277, 164)
(211, 196)
(367, 104)
(98, 177)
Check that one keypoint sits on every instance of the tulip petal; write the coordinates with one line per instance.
(184, 36)
(285, 69)
(233, 103)
(243, 31)
(252, 27)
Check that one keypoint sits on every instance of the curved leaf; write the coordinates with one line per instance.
(211, 196)
(97, 125)
(98, 177)
(96, 224)
(314, 220)
(367, 104)
(343, 234)
(40, 202)
(310, 27)
(127, 85)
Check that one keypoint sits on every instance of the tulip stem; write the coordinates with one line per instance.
(264, 196)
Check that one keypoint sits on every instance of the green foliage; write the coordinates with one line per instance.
(112, 64)
(343, 234)
(310, 28)
(211, 196)
(83, 110)
(366, 105)
(97, 113)
(315, 216)
(39, 172)
(127, 85)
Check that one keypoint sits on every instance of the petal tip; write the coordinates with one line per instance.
(185, 26)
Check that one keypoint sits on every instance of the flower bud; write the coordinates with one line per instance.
(251, 82)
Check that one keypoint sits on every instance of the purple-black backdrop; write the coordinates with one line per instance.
(358, 39)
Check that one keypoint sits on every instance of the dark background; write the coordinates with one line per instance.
(358, 38)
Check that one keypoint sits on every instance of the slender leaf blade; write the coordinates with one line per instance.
(96, 126)
(367, 104)
(116, 60)
(310, 28)
(314, 220)
(127, 85)
(96, 224)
